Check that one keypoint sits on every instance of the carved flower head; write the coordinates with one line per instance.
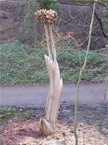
(46, 16)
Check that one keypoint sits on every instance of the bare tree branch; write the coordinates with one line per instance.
(81, 73)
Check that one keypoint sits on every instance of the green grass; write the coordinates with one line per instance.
(12, 114)
(24, 64)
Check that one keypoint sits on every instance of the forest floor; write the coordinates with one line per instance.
(19, 124)
(92, 127)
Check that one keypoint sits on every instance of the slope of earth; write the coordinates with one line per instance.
(74, 18)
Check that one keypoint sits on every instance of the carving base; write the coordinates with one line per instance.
(45, 128)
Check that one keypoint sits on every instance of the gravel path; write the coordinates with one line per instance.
(36, 95)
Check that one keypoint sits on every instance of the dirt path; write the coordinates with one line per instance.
(36, 95)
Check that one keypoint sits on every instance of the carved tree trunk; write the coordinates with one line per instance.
(47, 126)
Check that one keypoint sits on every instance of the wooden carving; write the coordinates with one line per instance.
(47, 125)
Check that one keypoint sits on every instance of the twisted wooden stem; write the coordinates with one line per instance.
(47, 39)
(52, 42)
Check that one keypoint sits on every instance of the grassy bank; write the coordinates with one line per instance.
(24, 64)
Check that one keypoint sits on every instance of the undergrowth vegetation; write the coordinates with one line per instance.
(24, 64)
